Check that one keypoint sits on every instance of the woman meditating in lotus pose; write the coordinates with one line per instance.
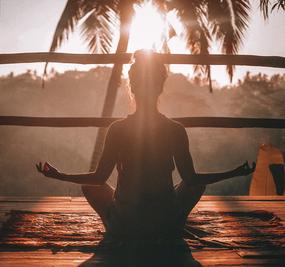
(145, 147)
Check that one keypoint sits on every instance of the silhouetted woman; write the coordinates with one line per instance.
(145, 147)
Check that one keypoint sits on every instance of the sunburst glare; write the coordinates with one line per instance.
(148, 29)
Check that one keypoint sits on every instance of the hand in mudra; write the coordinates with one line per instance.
(47, 170)
(245, 169)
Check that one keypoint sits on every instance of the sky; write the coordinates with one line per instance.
(28, 26)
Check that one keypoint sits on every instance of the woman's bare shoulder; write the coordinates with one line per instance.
(116, 125)
(175, 125)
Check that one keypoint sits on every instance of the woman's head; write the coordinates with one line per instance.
(147, 76)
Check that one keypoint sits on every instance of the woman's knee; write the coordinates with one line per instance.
(86, 189)
(102, 192)
(91, 191)
(199, 188)
(191, 188)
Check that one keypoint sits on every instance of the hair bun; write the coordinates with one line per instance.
(144, 56)
(148, 67)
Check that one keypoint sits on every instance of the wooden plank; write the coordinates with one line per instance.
(35, 199)
(242, 203)
(206, 198)
(276, 205)
(237, 209)
(87, 207)
(207, 257)
(242, 198)
(214, 257)
(262, 254)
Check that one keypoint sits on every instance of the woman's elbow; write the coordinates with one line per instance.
(98, 180)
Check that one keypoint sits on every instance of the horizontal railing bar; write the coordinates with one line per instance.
(125, 58)
(213, 122)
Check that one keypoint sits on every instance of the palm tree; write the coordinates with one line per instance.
(204, 21)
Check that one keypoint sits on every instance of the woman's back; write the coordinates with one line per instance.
(145, 149)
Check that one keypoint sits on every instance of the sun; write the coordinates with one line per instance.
(148, 28)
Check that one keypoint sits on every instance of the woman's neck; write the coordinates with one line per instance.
(146, 111)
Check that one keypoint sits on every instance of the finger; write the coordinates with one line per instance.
(46, 167)
(246, 165)
(47, 163)
(38, 168)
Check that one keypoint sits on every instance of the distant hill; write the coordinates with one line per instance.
(77, 93)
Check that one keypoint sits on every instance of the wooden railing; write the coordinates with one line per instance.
(125, 58)
(214, 122)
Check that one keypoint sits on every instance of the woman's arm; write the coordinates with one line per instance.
(209, 178)
(104, 167)
(80, 178)
(184, 163)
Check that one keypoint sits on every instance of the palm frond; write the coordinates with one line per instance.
(74, 11)
(98, 29)
(71, 14)
(280, 4)
(229, 20)
(194, 16)
(264, 6)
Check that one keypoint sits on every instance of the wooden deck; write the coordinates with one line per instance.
(207, 257)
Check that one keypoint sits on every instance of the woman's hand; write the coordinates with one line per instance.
(48, 170)
(245, 169)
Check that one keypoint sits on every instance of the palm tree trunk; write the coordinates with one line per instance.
(114, 83)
